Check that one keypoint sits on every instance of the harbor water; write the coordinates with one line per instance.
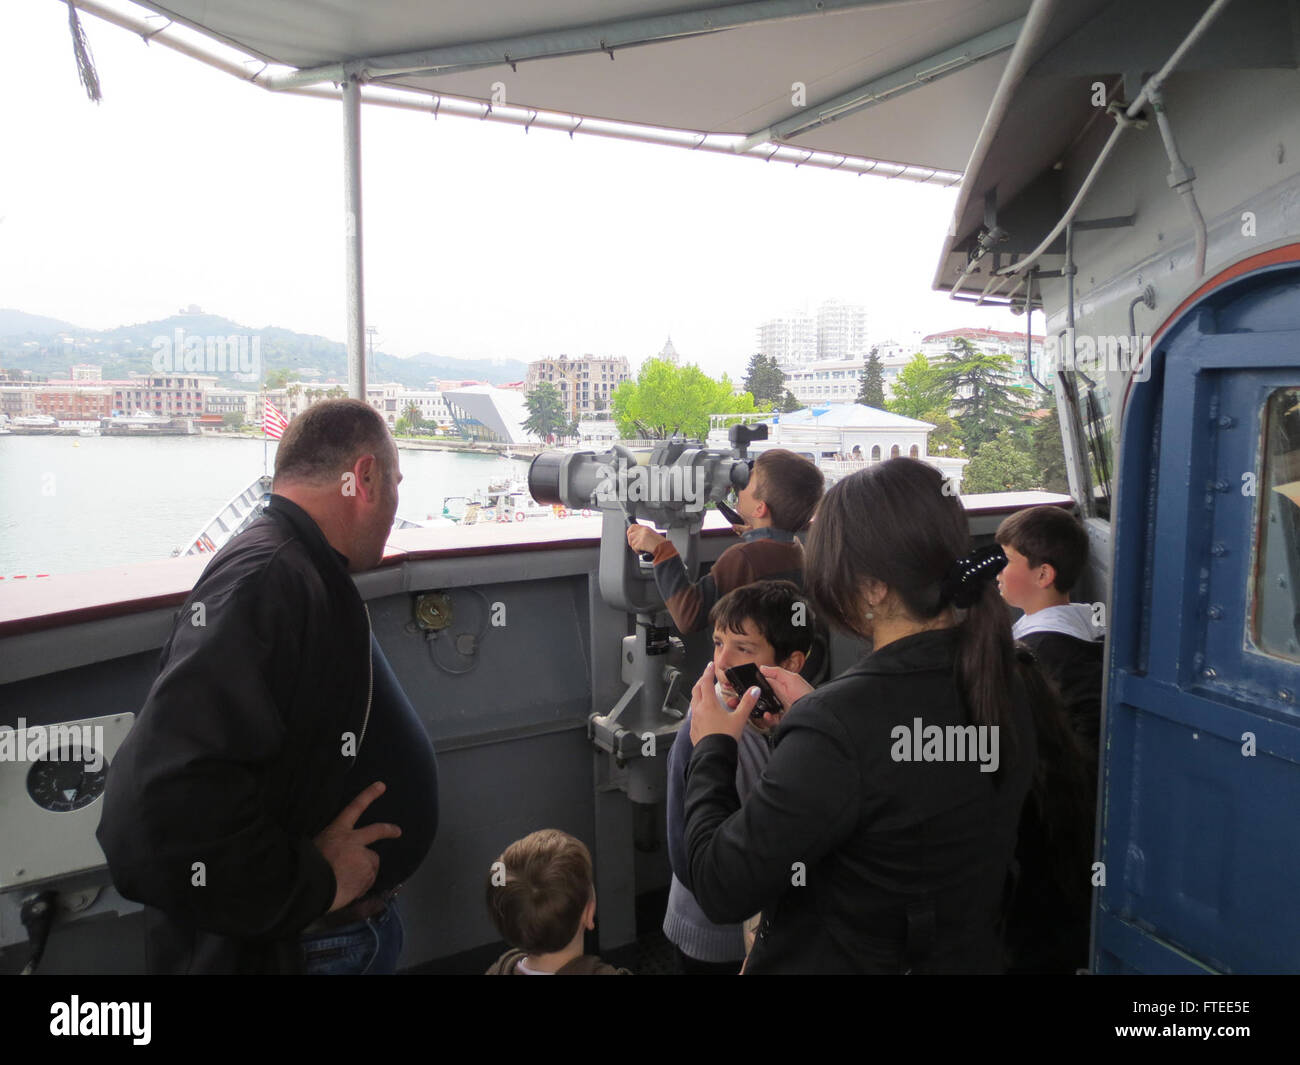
(70, 504)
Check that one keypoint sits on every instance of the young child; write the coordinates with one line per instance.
(769, 624)
(542, 900)
(1046, 549)
(783, 491)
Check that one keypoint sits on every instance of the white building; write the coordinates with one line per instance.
(843, 438)
(482, 412)
(841, 331)
(838, 381)
(432, 404)
(790, 340)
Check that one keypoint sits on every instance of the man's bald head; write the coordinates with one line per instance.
(325, 441)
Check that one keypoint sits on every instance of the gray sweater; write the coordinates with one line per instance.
(684, 922)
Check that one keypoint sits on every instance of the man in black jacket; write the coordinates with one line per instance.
(234, 809)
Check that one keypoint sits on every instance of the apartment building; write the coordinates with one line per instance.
(585, 384)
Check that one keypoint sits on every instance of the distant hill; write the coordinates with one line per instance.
(30, 342)
(16, 323)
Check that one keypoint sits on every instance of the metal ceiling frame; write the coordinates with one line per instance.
(571, 41)
(893, 84)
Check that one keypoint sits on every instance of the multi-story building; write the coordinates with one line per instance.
(386, 399)
(841, 331)
(17, 400)
(790, 340)
(585, 385)
(85, 371)
(72, 402)
(432, 405)
(838, 380)
(171, 395)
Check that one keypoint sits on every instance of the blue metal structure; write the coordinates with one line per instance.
(1199, 833)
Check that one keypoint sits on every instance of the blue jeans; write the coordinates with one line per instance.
(364, 948)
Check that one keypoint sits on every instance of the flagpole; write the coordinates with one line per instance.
(263, 428)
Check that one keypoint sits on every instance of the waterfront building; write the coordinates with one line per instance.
(432, 405)
(585, 384)
(69, 401)
(486, 413)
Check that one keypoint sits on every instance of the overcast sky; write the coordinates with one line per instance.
(187, 186)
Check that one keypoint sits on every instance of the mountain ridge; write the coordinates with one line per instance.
(34, 342)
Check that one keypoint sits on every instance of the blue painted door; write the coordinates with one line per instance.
(1200, 812)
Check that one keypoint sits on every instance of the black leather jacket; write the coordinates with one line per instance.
(237, 758)
(860, 862)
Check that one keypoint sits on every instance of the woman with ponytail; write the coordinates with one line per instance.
(881, 835)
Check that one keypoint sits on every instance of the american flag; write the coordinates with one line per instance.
(273, 422)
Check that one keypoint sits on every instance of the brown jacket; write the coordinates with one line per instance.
(587, 965)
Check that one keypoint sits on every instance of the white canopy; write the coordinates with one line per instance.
(906, 82)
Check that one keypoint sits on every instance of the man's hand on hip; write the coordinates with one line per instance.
(347, 849)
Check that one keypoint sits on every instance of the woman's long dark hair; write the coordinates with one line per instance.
(896, 523)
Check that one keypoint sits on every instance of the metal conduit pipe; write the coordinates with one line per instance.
(1181, 178)
(1124, 120)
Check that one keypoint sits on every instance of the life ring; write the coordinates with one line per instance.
(586, 513)
(561, 512)
(503, 517)
(520, 515)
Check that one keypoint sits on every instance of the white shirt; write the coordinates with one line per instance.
(1073, 619)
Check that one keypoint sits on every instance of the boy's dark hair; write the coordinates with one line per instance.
(1047, 535)
(790, 485)
(547, 885)
(771, 606)
(327, 438)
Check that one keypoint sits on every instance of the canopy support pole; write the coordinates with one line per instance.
(352, 201)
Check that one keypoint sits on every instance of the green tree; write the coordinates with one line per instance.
(280, 378)
(1003, 464)
(985, 403)
(789, 403)
(402, 427)
(1049, 453)
(945, 438)
(546, 413)
(233, 420)
(764, 379)
(872, 390)
(665, 398)
(917, 390)
(414, 418)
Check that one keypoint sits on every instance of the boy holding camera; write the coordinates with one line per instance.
(762, 624)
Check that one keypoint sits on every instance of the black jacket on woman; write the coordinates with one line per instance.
(861, 863)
